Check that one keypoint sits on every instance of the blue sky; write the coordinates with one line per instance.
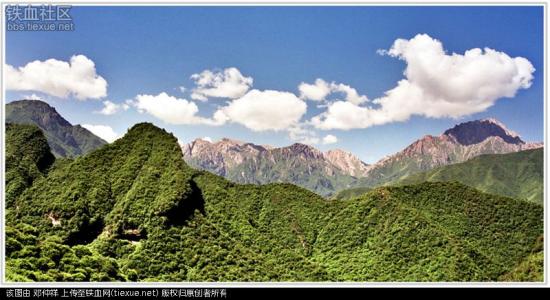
(148, 51)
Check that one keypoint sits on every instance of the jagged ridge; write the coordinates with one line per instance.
(299, 164)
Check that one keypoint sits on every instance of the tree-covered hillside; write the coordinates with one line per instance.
(133, 210)
(28, 158)
(517, 175)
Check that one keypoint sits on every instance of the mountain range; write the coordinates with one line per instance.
(133, 210)
(458, 144)
(65, 139)
(334, 173)
(299, 164)
(335, 170)
(518, 175)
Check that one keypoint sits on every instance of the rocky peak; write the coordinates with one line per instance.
(346, 162)
(474, 132)
(298, 149)
(194, 147)
(229, 141)
(41, 112)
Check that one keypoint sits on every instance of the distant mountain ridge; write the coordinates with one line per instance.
(518, 175)
(335, 170)
(458, 144)
(298, 163)
(65, 140)
(475, 132)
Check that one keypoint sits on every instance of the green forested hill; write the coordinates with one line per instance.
(65, 140)
(28, 158)
(133, 210)
(518, 175)
(351, 193)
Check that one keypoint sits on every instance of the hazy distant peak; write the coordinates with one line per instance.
(474, 132)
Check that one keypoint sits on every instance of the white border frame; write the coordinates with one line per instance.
(4, 284)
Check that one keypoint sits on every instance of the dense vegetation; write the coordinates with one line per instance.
(28, 158)
(517, 175)
(351, 193)
(133, 210)
(65, 140)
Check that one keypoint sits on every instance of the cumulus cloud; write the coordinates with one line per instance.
(229, 83)
(320, 89)
(330, 139)
(436, 85)
(299, 133)
(263, 110)
(103, 131)
(111, 108)
(351, 94)
(317, 91)
(33, 97)
(57, 78)
(170, 109)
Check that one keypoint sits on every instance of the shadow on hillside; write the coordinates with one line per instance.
(181, 213)
(87, 233)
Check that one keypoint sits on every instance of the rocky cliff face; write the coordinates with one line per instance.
(226, 154)
(347, 162)
(221, 156)
(300, 164)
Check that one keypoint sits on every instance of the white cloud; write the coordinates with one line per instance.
(330, 139)
(316, 92)
(207, 138)
(111, 108)
(319, 90)
(299, 133)
(170, 109)
(33, 97)
(346, 115)
(436, 85)
(350, 93)
(263, 110)
(103, 131)
(57, 78)
(229, 83)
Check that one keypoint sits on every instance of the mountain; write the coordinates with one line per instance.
(347, 162)
(28, 158)
(517, 175)
(65, 140)
(299, 164)
(133, 210)
(336, 170)
(458, 144)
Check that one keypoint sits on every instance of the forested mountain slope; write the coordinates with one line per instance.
(133, 210)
